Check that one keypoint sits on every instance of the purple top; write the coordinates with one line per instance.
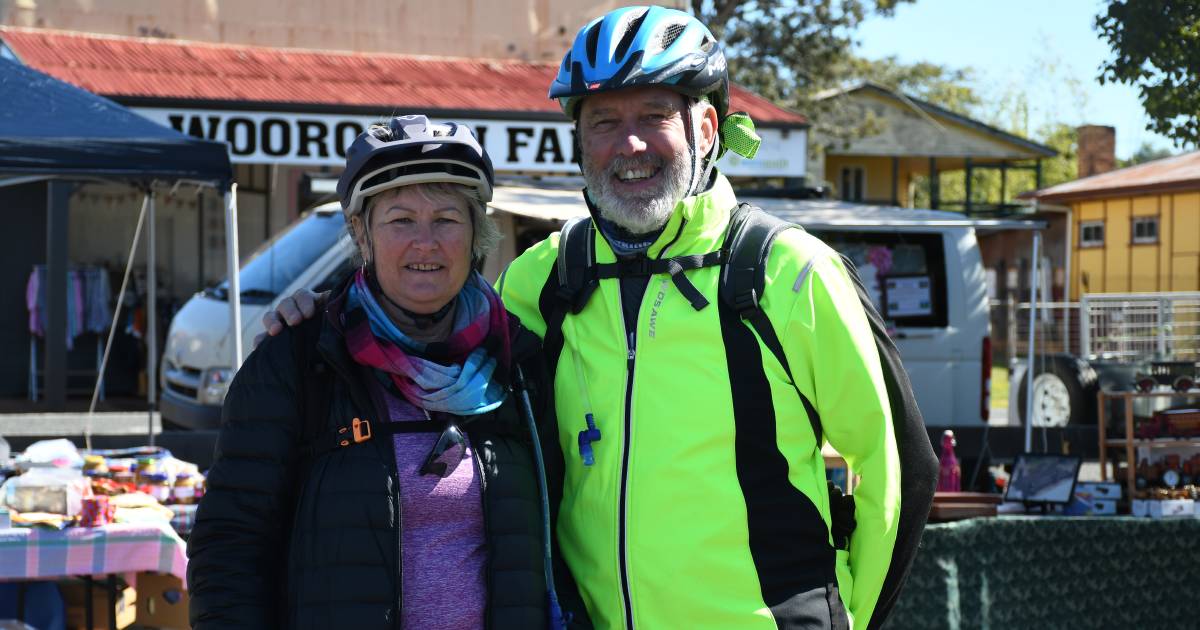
(442, 542)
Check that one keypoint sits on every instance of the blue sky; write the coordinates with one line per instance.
(1046, 49)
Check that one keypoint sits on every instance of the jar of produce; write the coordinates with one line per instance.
(185, 488)
(95, 465)
(120, 473)
(159, 486)
(145, 466)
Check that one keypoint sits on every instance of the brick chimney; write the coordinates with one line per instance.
(1097, 149)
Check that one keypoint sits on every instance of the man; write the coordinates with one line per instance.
(695, 492)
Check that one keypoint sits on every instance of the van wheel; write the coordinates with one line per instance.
(1060, 395)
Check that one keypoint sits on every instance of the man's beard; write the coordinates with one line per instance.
(648, 210)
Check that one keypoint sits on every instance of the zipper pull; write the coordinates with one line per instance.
(632, 346)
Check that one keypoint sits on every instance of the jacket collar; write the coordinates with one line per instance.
(696, 226)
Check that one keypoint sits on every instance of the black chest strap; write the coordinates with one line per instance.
(579, 274)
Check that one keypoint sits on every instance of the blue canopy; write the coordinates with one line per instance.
(48, 127)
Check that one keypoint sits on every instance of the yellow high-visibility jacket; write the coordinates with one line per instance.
(707, 505)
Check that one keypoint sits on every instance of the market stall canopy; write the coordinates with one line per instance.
(539, 203)
(832, 214)
(48, 127)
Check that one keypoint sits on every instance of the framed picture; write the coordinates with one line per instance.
(1043, 479)
(907, 296)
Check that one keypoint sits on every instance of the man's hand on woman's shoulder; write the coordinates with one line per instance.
(290, 311)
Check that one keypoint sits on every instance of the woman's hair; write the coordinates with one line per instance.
(484, 233)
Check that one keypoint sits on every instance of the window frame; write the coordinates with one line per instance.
(1083, 226)
(1143, 240)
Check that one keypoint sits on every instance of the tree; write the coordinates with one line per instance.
(944, 86)
(1156, 47)
(1145, 153)
(787, 50)
(839, 121)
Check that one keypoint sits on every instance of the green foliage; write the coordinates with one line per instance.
(794, 51)
(790, 50)
(1145, 153)
(787, 50)
(1156, 48)
(941, 85)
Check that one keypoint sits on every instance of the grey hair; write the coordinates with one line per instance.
(485, 235)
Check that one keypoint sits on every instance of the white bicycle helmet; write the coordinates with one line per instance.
(412, 150)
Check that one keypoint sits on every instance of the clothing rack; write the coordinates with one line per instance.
(89, 296)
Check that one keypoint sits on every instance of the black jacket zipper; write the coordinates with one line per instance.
(632, 341)
(631, 357)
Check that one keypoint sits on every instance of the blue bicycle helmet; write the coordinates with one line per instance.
(637, 46)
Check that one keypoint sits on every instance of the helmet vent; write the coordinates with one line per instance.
(593, 41)
(631, 30)
(671, 34)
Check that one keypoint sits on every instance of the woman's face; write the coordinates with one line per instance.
(421, 247)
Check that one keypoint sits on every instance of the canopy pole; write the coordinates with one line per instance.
(1033, 292)
(151, 320)
(232, 268)
(58, 199)
(112, 329)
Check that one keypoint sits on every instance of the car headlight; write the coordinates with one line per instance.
(214, 384)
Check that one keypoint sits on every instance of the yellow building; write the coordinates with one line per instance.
(908, 137)
(1135, 229)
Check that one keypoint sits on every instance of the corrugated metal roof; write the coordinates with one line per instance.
(1034, 148)
(134, 69)
(834, 214)
(1180, 172)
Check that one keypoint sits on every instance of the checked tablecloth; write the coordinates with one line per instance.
(32, 553)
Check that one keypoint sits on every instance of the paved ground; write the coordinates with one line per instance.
(74, 423)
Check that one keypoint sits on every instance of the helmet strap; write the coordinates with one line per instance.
(701, 166)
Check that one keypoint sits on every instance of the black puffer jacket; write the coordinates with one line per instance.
(288, 538)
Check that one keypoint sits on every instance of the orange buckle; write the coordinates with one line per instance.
(362, 430)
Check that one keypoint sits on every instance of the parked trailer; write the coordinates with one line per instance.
(1125, 341)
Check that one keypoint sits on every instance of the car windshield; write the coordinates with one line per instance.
(280, 260)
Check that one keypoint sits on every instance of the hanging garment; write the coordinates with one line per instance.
(33, 302)
(98, 294)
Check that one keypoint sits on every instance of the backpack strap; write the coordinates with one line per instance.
(577, 277)
(744, 278)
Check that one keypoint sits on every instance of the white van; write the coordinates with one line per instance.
(934, 295)
(196, 368)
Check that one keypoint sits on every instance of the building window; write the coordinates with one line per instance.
(1091, 234)
(853, 183)
(1145, 229)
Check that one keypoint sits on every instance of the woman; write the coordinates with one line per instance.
(355, 449)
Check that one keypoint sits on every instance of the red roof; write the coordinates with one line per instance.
(134, 69)
(1181, 172)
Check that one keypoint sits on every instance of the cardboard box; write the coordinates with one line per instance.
(1172, 508)
(162, 602)
(1099, 490)
(74, 593)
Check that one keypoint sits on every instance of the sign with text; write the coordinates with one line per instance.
(514, 146)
